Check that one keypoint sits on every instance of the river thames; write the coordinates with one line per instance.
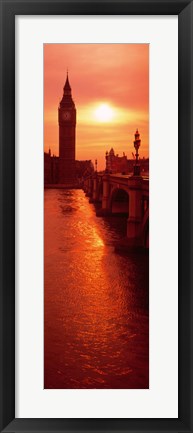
(96, 303)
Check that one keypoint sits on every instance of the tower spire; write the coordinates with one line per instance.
(67, 84)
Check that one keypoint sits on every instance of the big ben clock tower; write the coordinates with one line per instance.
(67, 136)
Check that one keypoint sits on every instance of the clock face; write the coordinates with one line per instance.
(66, 115)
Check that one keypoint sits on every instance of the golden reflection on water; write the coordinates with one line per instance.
(96, 301)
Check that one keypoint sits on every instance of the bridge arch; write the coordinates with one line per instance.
(119, 201)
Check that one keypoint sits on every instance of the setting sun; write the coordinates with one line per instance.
(104, 113)
(110, 88)
(96, 215)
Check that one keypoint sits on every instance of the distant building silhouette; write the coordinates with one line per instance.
(120, 164)
(116, 163)
(51, 168)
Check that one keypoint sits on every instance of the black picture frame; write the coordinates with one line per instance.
(9, 9)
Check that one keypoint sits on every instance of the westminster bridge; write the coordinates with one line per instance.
(127, 195)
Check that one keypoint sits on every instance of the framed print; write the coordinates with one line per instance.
(106, 358)
(119, 361)
(96, 213)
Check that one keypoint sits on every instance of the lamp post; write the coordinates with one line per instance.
(106, 157)
(137, 143)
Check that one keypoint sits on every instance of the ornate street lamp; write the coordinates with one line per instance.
(137, 143)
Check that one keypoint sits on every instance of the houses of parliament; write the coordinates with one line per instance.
(64, 170)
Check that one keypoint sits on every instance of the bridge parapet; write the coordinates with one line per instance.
(103, 186)
(134, 222)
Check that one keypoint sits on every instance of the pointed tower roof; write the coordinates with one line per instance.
(67, 84)
(67, 100)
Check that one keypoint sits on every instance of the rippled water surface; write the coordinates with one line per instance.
(96, 301)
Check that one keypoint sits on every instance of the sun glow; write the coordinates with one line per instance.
(104, 113)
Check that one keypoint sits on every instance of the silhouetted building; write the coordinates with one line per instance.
(67, 136)
(116, 163)
(84, 168)
(64, 169)
(120, 164)
(144, 165)
(51, 168)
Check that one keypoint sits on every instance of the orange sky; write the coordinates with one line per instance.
(112, 75)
